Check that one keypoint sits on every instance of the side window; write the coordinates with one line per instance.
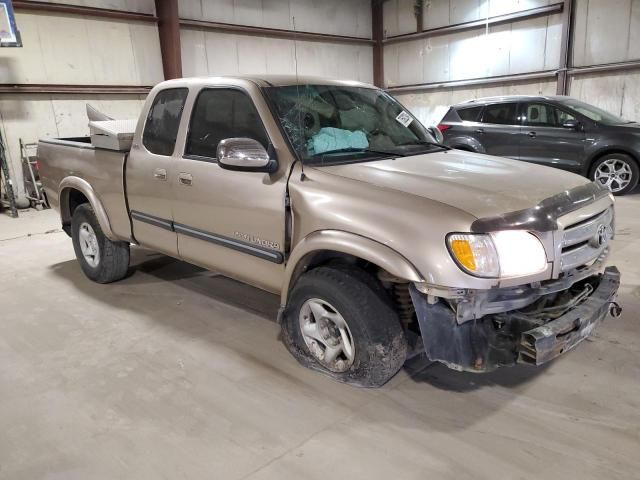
(544, 115)
(501, 114)
(161, 128)
(563, 116)
(469, 114)
(222, 113)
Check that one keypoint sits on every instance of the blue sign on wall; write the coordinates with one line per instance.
(9, 34)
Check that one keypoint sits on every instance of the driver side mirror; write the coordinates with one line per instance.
(436, 133)
(245, 155)
(571, 123)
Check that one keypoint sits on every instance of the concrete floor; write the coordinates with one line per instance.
(178, 373)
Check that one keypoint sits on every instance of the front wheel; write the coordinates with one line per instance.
(102, 260)
(618, 172)
(338, 324)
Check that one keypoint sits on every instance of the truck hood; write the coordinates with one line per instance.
(481, 185)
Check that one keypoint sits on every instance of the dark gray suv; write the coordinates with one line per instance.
(558, 131)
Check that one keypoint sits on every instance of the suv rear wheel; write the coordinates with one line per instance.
(617, 171)
(102, 260)
(337, 323)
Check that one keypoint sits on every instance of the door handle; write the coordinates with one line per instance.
(532, 134)
(185, 179)
(160, 174)
(480, 131)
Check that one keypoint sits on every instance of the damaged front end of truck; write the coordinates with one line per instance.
(531, 323)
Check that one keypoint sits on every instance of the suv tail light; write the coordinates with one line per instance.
(442, 127)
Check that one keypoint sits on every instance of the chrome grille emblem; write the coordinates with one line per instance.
(602, 236)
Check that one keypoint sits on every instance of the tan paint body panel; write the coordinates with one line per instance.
(102, 174)
(394, 213)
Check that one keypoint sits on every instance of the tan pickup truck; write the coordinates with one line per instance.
(381, 242)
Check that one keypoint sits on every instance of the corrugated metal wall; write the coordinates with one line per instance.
(607, 32)
(604, 32)
(78, 50)
(216, 53)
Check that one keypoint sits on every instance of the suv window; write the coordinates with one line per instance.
(469, 114)
(544, 115)
(163, 120)
(500, 113)
(221, 113)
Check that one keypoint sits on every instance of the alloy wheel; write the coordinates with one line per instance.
(327, 335)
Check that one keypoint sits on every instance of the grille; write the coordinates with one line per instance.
(585, 241)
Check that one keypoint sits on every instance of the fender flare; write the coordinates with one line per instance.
(77, 183)
(350, 244)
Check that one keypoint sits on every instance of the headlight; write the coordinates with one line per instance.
(510, 253)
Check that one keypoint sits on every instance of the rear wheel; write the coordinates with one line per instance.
(618, 172)
(101, 259)
(338, 324)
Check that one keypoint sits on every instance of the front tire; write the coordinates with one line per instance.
(338, 324)
(102, 260)
(617, 171)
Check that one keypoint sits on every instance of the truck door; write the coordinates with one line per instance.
(229, 221)
(150, 168)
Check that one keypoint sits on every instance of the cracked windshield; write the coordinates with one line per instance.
(329, 124)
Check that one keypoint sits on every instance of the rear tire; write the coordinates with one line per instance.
(334, 308)
(102, 260)
(617, 171)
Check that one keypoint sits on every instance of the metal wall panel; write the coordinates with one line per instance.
(430, 107)
(525, 46)
(229, 54)
(351, 18)
(398, 17)
(139, 6)
(606, 32)
(91, 51)
(616, 92)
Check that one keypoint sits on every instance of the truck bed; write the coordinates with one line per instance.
(102, 169)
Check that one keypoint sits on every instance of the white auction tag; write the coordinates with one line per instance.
(404, 118)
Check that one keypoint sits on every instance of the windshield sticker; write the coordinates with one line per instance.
(404, 119)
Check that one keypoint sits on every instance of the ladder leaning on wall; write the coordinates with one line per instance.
(8, 184)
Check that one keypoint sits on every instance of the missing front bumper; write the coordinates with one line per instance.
(485, 344)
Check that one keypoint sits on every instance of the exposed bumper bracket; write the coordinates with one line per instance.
(485, 344)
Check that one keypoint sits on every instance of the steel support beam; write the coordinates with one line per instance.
(605, 68)
(65, 9)
(565, 48)
(169, 32)
(272, 32)
(72, 89)
(459, 27)
(497, 80)
(377, 28)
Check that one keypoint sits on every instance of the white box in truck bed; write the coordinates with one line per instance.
(112, 134)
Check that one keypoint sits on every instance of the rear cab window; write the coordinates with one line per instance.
(501, 114)
(221, 113)
(161, 127)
